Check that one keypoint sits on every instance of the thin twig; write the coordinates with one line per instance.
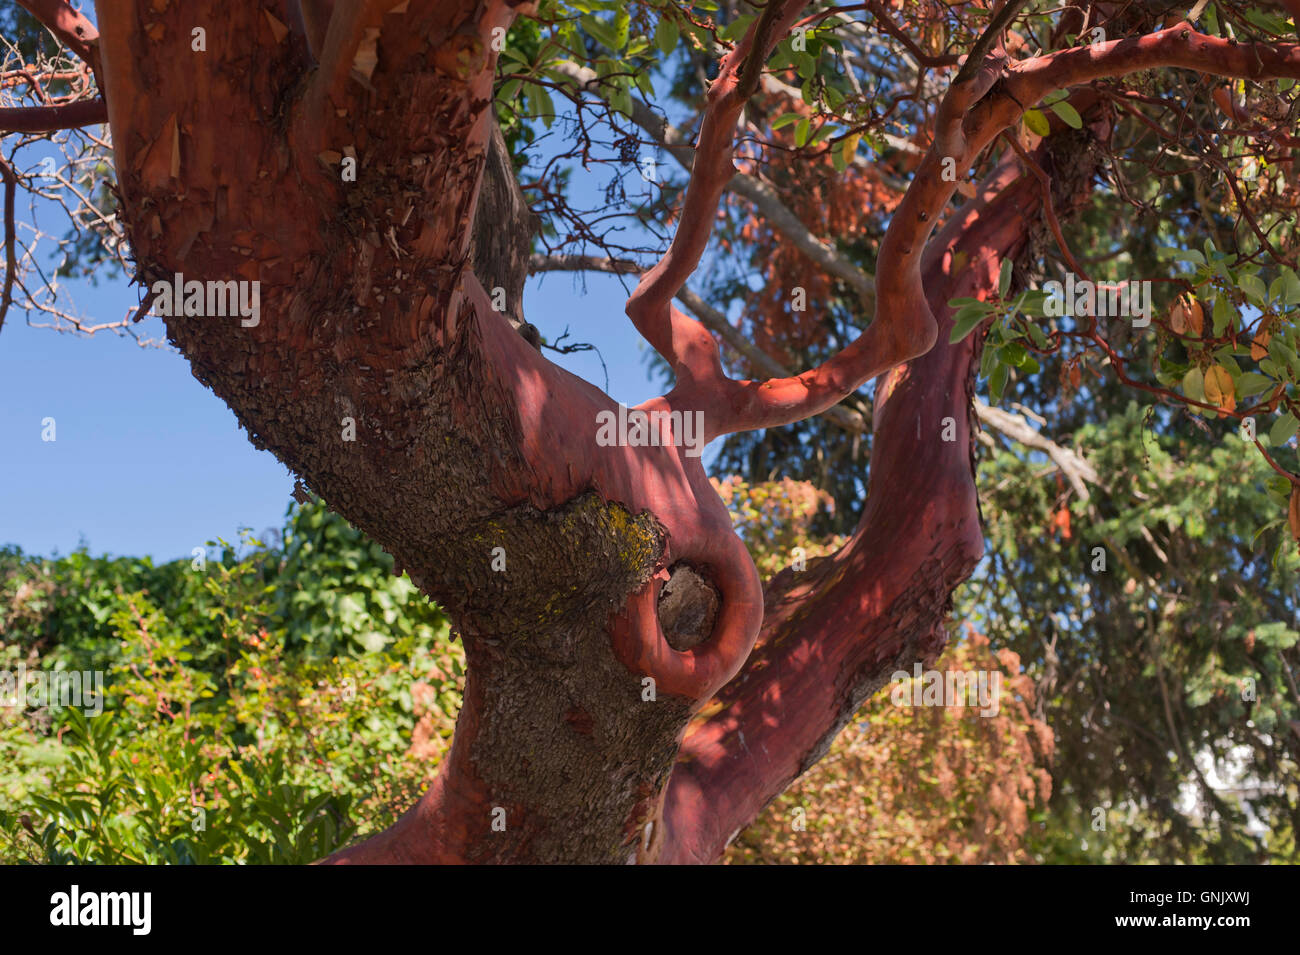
(11, 263)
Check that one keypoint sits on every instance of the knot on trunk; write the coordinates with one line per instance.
(688, 607)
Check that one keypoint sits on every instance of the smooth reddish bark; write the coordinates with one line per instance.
(44, 119)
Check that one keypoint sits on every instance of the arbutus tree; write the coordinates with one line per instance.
(635, 691)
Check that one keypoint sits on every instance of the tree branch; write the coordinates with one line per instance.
(72, 29)
(1180, 45)
(975, 59)
(835, 630)
(11, 262)
(967, 122)
(1076, 470)
(45, 119)
(683, 342)
(712, 318)
(560, 262)
(750, 187)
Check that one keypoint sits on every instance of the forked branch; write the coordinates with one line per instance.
(73, 30)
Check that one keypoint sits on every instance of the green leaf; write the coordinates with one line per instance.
(1290, 287)
(510, 53)
(1037, 122)
(622, 23)
(540, 105)
(1224, 357)
(1013, 353)
(509, 89)
(1282, 430)
(667, 33)
(1034, 302)
(621, 99)
(1194, 384)
(1267, 21)
(1223, 314)
(1004, 278)
(1068, 114)
(824, 133)
(801, 133)
(998, 382)
(1281, 353)
(1251, 384)
(988, 360)
(966, 321)
(736, 29)
(1254, 288)
(602, 32)
(1180, 255)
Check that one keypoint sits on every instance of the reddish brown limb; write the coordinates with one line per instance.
(1180, 45)
(455, 402)
(683, 342)
(987, 41)
(74, 31)
(45, 119)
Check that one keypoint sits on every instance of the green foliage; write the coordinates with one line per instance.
(260, 707)
(1172, 666)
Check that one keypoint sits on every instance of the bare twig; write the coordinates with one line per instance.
(11, 263)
